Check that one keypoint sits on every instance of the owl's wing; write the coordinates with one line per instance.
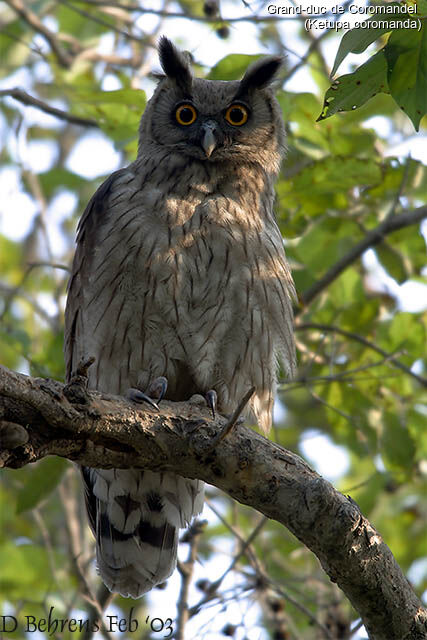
(95, 215)
(134, 514)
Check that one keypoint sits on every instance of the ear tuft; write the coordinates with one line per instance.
(175, 65)
(260, 74)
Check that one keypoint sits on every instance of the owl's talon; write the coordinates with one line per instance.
(211, 400)
(157, 388)
(139, 396)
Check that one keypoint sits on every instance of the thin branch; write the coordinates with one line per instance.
(110, 58)
(64, 58)
(249, 550)
(210, 20)
(74, 533)
(52, 265)
(314, 45)
(401, 188)
(19, 292)
(308, 326)
(96, 617)
(262, 573)
(106, 431)
(186, 569)
(234, 418)
(25, 98)
(372, 238)
(36, 513)
(102, 22)
(214, 586)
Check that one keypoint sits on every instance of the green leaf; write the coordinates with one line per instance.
(417, 428)
(25, 571)
(12, 46)
(10, 259)
(407, 331)
(398, 446)
(232, 67)
(324, 243)
(356, 40)
(406, 54)
(117, 112)
(325, 184)
(392, 262)
(43, 479)
(59, 178)
(354, 89)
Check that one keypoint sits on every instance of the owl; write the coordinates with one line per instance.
(180, 286)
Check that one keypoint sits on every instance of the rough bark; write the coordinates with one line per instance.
(43, 417)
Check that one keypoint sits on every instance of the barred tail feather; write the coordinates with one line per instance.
(132, 564)
(135, 516)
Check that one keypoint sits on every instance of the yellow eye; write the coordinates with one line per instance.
(236, 115)
(185, 114)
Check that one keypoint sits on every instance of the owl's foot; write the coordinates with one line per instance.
(211, 400)
(153, 395)
(157, 388)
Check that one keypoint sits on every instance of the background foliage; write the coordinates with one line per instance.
(362, 360)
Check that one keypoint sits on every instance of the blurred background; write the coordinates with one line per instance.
(74, 80)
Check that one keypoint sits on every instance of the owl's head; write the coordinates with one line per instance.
(214, 121)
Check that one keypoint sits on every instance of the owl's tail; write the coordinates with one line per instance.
(135, 516)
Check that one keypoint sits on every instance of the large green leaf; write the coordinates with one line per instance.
(406, 55)
(354, 89)
(400, 68)
(356, 40)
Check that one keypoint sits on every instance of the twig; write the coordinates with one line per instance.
(372, 238)
(64, 58)
(12, 292)
(234, 418)
(263, 574)
(102, 22)
(307, 326)
(49, 550)
(25, 98)
(186, 569)
(52, 265)
(401, 188)
(210, 20)
(96, 609)
(303, 59)
(74, 532)
(213, 587)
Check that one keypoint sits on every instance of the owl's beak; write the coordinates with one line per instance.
(208, 139)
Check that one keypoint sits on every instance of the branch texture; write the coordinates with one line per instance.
(43, 417)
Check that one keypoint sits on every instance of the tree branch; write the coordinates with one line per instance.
(63, 57)
(250, 17)
(25, 98)
(330, 328)
(107, 431)
(186, 569)
(372, 238)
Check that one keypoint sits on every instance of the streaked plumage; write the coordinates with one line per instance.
(180, 272)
